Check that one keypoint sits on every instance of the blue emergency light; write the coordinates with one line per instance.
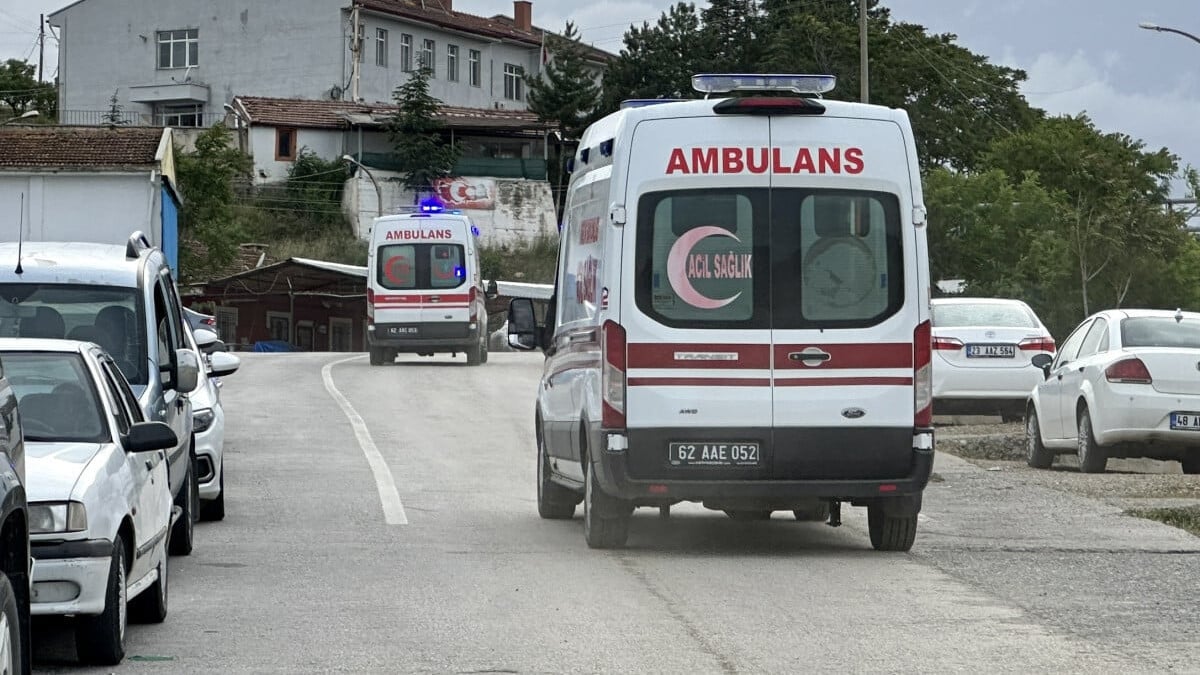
(714, 83)
(475, 230)
(431, 206)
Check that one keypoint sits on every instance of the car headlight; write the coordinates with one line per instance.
(202, 419)
(56, 517)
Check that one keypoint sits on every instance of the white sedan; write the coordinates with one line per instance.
(983, 356)
(1125, 383)
(208, 421)
(100, 508)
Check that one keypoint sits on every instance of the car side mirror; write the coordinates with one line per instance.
(522, 325)
(206, 340)
(1042, 361)
(221, 364)
(150, 436)
(492, 291)
(187, 372)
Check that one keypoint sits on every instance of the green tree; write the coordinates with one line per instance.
(21, 91)
(731, 35)
(206, 181)
(566, 97)
(657, 61)
(315, 185)
(422, 153)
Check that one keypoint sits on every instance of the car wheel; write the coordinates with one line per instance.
(12, 658)
(376, 355)
(554, 501)
(150, 606)
(748, 515)
(890, 532)
(474, 355)
(1036, 454)
(816, 514)
(214, 509)
(483, 350)
(605, 518)
(1191, 463)
(100, 639)
(188, 499)
(1091, 456)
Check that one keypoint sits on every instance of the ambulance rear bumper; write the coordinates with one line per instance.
(423, 336)
(788, 471)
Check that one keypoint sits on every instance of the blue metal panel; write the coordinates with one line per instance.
(170, 229)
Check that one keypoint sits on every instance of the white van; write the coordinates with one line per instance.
(741, 315)
(424, 291)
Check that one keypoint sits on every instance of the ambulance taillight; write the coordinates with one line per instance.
(923, 375)
(612, 378)
(472, 296)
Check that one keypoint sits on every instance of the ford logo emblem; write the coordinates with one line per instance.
(853, 413)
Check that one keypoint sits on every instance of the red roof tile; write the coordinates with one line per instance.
(59, 147)
(316, 114)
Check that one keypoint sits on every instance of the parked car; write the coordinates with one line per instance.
(1124, 384)
(14, 538)
(208, 421)
(984, 349)
(99, 503)
(197, 320)
(124, 299)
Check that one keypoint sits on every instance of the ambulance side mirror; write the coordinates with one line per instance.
(522, 325)
(492, 291)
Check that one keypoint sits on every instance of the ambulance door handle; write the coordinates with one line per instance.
(435, 298)
(809, 355)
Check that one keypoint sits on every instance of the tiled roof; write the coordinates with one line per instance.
(500, 26)
(59, 147)
(304, 113)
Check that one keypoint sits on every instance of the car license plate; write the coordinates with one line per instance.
(1188, 421)
(403, 330)
(991, 351)
(699, 453)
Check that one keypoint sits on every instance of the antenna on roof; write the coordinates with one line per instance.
(1178, 314)
(20, 234)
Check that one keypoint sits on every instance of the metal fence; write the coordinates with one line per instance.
(96, 118)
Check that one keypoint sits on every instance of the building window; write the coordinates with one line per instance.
(406, 52)
(279, 326)
(285, 144)
(178, 48)
(362, 46)
(427, 50)
(188, 115)
(381, 47)
(514, 83)
(474, 61)
(452, 63)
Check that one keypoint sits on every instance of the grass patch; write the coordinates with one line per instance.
(533, 261)
(346, 249)
(1184, 517)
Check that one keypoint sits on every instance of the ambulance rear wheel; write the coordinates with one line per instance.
(377, 356)
(475, 355)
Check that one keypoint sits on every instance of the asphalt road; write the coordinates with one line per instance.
(307, 575)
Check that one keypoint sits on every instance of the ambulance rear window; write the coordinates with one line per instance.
(420, 266)
(783, 258)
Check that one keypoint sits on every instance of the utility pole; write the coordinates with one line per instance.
(355, 53)
(41, 43)
(864, 82)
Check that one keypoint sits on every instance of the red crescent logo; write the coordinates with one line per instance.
(677, 267)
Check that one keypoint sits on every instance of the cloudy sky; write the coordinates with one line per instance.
(1081, 55)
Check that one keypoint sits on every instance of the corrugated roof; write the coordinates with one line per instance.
(60, 147)
(315, 114)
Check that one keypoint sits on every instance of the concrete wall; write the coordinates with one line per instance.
(523, 209)
(292, 49)
(326, 143)
(103, 207)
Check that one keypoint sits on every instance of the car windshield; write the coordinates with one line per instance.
(55, 397)
(991, 314)
(1162, 331)
(109, 316)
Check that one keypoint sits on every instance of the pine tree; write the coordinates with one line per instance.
(422, 154)
(567, 94)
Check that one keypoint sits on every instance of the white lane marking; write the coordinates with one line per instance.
(393, 510)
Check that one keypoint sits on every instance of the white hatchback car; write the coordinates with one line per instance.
(984, 349)
(100, 507)
(1126, 383)
(208, 421)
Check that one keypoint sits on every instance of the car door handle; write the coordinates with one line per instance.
(813, 355)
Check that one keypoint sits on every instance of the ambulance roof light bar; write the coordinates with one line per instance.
(715, 83)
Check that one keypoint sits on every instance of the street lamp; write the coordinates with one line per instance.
(1164, 29)
(378, 193)
(23, 116)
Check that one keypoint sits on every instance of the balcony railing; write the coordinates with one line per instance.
(534, 169)
(97, 118)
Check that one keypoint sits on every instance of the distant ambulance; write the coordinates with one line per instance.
(742, 314)
(424, 292)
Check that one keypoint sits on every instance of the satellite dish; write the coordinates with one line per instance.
(335, 93)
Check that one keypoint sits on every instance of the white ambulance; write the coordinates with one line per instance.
(741, 316)
(424, 291)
